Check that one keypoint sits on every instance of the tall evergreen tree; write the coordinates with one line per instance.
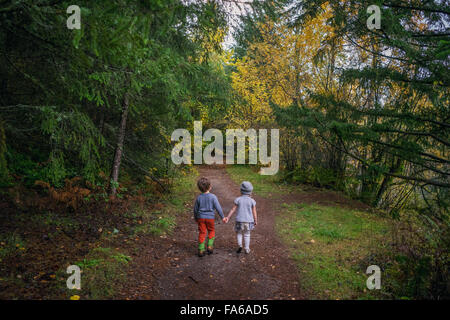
(399, 112)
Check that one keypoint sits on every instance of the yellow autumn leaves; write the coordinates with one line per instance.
(280, 68)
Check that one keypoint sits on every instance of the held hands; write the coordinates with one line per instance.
(226, 219)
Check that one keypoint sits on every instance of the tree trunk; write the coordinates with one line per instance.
(119, 149)
(386, 180)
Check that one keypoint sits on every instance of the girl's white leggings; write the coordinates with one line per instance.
(246, 235)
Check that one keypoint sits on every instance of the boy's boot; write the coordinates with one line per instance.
(201, 249)
(210, 245)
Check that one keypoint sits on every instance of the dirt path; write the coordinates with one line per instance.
(173, 271)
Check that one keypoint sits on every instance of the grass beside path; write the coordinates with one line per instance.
(332, 246)
(263, 185)
(163, 219)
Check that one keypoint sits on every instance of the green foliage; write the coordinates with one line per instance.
(247, 31)
(55, 172)
(65, 88)
(22, 165)
(386, 113)
(317, 176)
(416, 259)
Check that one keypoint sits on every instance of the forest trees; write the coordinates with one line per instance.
(83, 102)
(369, 107)
(365, 111)
(281, 69)
(362, 111)
(397, 111)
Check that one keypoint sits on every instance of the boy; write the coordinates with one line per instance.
(204, 207)
(246, 217)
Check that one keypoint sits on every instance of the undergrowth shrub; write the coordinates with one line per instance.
(317, 176)
(415, 264)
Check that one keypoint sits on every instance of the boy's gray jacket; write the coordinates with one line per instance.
(205, 205)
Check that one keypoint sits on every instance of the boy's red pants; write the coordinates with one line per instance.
(203, 226)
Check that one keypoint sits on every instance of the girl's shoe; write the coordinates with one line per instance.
(247, 251)
(239, 250)
(201, 253)
(210, 250)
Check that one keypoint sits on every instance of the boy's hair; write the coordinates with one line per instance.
(203, 184)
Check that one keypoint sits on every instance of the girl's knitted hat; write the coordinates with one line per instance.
(246, 187)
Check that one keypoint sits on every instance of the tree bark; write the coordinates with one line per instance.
(386, 180)
(119, 149)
